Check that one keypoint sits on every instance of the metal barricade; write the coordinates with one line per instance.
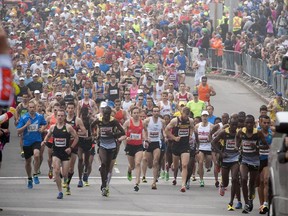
(235, 62)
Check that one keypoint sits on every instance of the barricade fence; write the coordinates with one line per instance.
(232, 63)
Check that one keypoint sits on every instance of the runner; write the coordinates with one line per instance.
(203, 140)
(134, 148)
(153, 132)
(78, 126)
(108, 130)
(182, 128)
(31, 125)
(263, 178)
(205, 91)
(248, 140)
(62, 149)
(230, 157)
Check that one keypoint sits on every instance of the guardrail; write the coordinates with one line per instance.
(231, 62)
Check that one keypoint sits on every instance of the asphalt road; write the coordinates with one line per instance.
(16, 199)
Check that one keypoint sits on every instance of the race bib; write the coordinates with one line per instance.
(134, 136)
(154, 135)
(104, 130)
(113, 92)
(247, 146)
(19, 99)
(60, 142)
(183, 132)
(32, 128)
(172, 77)
(230, 144)
(137, 74)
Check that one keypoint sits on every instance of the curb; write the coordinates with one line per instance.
(242, 82)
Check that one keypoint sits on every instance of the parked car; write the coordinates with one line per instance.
(278, 167)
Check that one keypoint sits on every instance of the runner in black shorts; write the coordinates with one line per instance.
(182, 128)
(61, 132)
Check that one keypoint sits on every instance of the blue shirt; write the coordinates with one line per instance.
(31, 134)
(212, 119)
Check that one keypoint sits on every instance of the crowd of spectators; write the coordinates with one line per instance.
(47, 36)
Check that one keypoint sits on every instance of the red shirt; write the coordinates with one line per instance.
(135, 133)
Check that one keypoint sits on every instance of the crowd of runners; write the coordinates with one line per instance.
(92, 76)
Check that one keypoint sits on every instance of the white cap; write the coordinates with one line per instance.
(21, 78)
(119, 34)
(139, 91)
(35, 74)
(103, 104)
(87, 34)
(54, 54)
(130, 31)
(164, 38)
(45, 62)
(112, 29)
(62, 71)
(58, 94)
(181, 49)
(204, 112)
(36, 92)
(161, 77)
(171, 51)
(97, 64)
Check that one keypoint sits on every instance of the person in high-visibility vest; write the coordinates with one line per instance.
(237, 24)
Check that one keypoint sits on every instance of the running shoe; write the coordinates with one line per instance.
(107, 191)
(222, 191)
(174, 182)
(144, 180)
(162, 174)
(22, 154)
(36, 179)
(187, 184)
(50, 174)
(68, 192)
(86, 183)
(250, 202)
(230, 208)
(183, 189)
(238, 206)
(136, 188)
(104, 191)
(129, 176)
(30, 184)
(64, 185)
(246, 209)
(202, 183)
(194, 178)
(80, 184)
(217, 184)
(154, 187)
(166, 176)
(263, 209)
(60, 195)
(85, 177)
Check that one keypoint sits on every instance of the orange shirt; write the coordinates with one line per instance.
(204, 92)
(100, 52)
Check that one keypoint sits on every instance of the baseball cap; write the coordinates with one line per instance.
(54, 54)
(161, 77)
(45, 62)
(139, 91)
(172, 65)
(113, 42)
(21, 78)
(204, 112)
(97, 64)
(58, 94)
(35, 75)
(36, 92)
(279, 94)
(171, 51)
(103, 104)
(181, 49)
(62, 71)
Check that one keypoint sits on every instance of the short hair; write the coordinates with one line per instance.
(117, 100)
(70, 103)
(263, 108)
(56, 104)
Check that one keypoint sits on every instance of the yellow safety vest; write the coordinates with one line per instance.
(237, 23)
